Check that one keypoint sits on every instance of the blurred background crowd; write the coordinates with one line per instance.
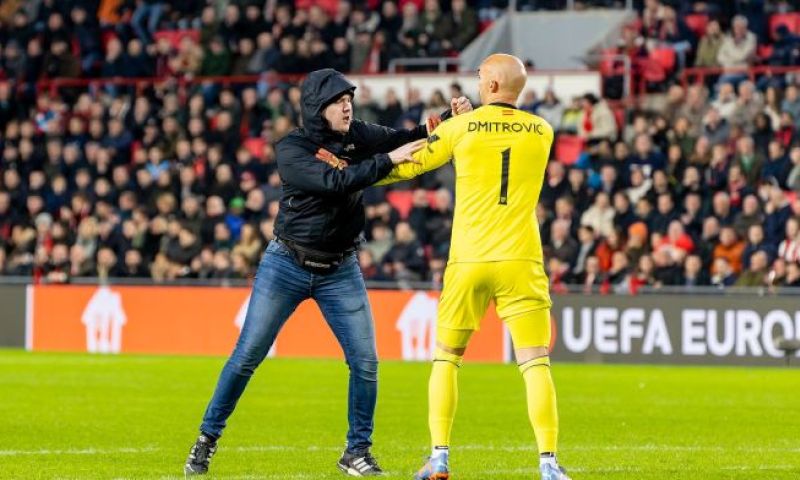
(173, 181)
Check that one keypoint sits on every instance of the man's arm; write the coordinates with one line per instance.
(384, 139)
(310, 173)
(437, 152)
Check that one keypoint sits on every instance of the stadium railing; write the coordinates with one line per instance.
(423, 285)
(441, 64)
(55, 84)
(699, 75)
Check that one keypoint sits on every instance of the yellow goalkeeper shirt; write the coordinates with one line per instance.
(500, 155)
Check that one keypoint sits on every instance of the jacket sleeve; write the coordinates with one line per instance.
(437, 152)
(385, 139)
(302, 170)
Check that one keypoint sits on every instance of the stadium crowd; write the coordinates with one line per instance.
(175, 181)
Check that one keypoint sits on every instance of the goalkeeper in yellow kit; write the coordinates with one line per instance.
(500, 154)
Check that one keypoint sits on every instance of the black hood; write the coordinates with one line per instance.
(320, 88)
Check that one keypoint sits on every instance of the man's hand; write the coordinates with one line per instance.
(404, 154)
(432, 122)
(460, 105)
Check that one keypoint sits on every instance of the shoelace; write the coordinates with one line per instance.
(204, 451)
(371, 461)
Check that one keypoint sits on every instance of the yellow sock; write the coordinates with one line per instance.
(442, 401)
(443, 385)
(542, 409)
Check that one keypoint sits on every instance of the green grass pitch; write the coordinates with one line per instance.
(79, 416)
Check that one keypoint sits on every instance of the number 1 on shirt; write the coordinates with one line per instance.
(506, 154)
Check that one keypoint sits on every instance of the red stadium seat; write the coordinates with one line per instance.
(431, 198)
(255, 145)
(635, 25)
(651, 70)
(697, 23)
(175, 36)
(665, 56)
(791, 20)
(568, 148)
(401, 200)
(609, 65)
(619, 116)
(764, 51)
(330, 6)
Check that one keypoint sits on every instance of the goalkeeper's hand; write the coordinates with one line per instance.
(460, 105)
(433, 121)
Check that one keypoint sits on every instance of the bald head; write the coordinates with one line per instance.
(501, 79)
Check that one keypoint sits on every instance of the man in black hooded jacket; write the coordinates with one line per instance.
(324, 167)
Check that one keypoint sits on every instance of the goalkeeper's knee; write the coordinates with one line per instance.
(540, 361)
(451, 345)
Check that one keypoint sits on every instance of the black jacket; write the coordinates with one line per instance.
(320, 205)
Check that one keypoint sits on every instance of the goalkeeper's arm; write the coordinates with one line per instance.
(436, 153)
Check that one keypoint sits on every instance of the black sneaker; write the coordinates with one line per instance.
(200, 455)
(361, 464)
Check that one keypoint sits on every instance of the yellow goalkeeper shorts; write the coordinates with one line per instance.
(516, 286)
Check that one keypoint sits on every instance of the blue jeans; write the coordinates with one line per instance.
(279, 288)
(145, 20)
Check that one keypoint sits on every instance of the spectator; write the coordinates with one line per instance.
(726, 101)
(645, 156)
(694, 275)
(591, 277)
(749, 216)
(216, 59)
(665, 213)
(748, 160)
(459, 27)
(624, 217)
(721, 208)
(600, 216)
(737, 50)
(777, 166)
(777, 210)
(380, 243)
(730, 248)
(550, 109)
(695, 108)
(563, 246)
(793, 179)
(716, 129)
(555, 185)
(107, 266)
(756, 243)
(59, 63)
(784, 49)
(146, 19)
(666, 270)
(789, 248)
(708, 50)
(598, 121)
(792, 275)
(87, 35)
(406, 255)
(587, 239)
(748, 105)
(756, 273)
(722, 275)
(644, 274)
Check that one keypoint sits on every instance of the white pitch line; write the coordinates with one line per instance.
(761, 467)
(495, 472)
(77, 451)
(456, 448)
